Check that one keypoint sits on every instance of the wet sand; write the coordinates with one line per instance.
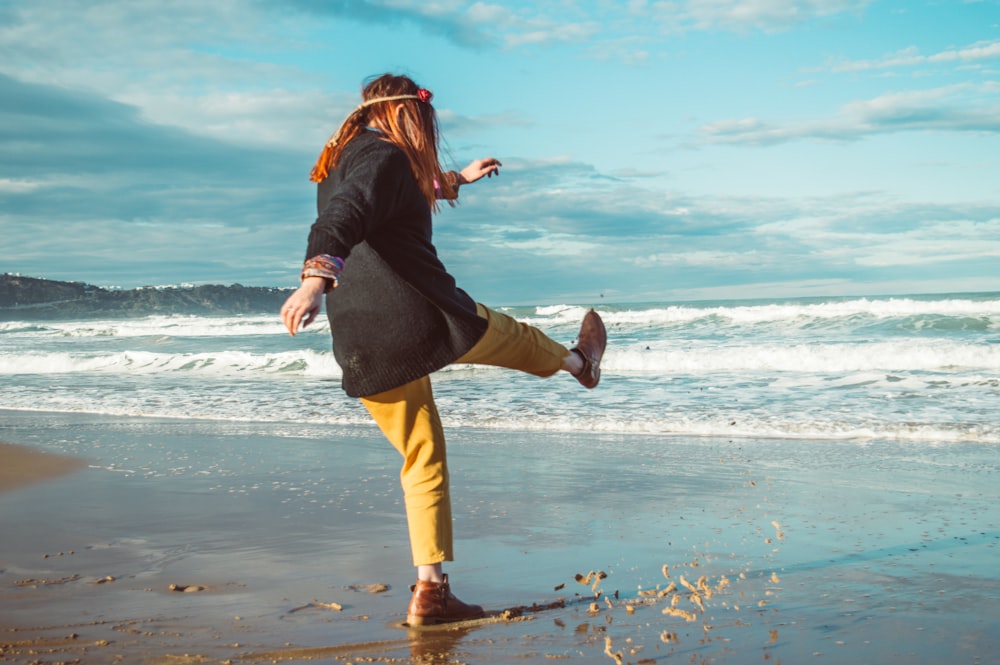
(195, 542)
(20, 466)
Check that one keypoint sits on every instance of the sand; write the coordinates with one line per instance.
(194, 542)
(23, 466)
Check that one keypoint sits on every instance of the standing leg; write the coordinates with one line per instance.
(409, 419)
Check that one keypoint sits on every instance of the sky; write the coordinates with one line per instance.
(652, 151)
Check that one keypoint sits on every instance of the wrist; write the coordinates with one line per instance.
(313, 284)
(452, 179)
(322, 270)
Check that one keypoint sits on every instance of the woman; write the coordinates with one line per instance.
(397, 315)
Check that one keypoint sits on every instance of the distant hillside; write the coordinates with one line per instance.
(30, 298)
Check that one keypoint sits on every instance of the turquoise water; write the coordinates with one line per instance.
(907, 368)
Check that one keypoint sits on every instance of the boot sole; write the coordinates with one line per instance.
(593, 331)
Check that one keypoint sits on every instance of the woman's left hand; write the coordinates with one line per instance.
(489, 167)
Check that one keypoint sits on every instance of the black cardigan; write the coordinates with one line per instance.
(397, 314)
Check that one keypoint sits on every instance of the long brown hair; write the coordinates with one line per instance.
(409, 123)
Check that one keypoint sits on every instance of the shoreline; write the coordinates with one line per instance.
(829, 551)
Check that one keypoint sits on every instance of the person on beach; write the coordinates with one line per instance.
(397, 315)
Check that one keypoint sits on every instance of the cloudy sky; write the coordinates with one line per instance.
(692, 149)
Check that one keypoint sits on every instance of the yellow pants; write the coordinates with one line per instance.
(409, 419)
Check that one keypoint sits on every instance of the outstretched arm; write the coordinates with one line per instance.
(489, 167)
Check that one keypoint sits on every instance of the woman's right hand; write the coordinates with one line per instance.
(489, 167)
(303, 306)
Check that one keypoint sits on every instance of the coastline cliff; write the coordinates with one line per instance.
(31, 298)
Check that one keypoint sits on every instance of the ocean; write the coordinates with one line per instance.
(904, 369)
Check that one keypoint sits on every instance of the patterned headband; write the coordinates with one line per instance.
(423, 95)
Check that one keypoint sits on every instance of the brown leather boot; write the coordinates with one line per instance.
(433, 603)
(590, 347)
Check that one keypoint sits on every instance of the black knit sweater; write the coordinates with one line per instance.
(397, 314)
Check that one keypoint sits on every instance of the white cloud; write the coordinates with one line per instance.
(743, 15)
(705, 258)
(158, 59)
(553, 244)
(285, 118)
(955, 240)
(954, 108)
(18, 185)
(863, 230)
(541, 31)
(911, 57)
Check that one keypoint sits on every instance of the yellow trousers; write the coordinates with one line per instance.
(409, 418)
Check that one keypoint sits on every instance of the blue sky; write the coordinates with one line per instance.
(684, 150)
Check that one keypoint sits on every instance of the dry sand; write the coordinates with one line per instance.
(187, 542)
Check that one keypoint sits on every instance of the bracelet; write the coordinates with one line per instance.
(325, 266)
(453, 179)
